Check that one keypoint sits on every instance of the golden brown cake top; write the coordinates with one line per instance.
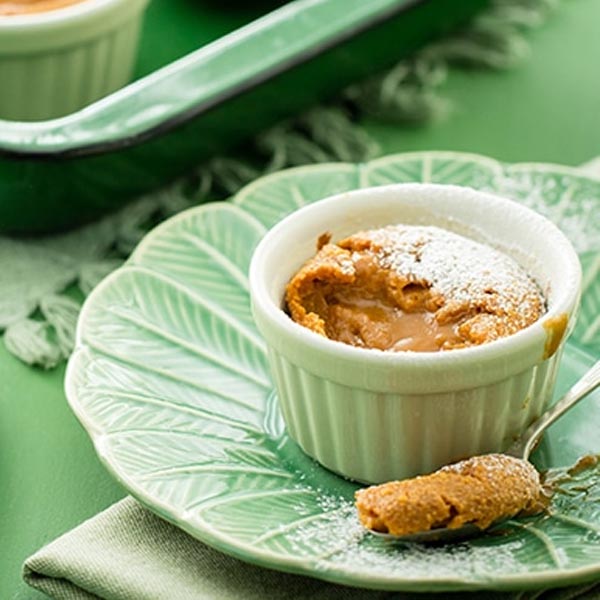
(461, 270)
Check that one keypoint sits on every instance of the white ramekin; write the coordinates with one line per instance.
(374, 416)
(55, 62)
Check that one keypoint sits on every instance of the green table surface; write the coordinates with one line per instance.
(546, 110)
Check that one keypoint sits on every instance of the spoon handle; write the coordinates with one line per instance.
(523, 447)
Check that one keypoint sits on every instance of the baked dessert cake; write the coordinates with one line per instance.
(417, 288)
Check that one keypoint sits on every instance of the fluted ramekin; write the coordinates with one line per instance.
(374, 416)
(55, 62)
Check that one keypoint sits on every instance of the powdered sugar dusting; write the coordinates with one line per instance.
(461, 270)
(569, 200)
(338, 545)
(345, 546)
(384, 559)
(494, 465)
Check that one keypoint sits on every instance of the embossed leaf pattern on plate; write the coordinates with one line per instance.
(171, 380)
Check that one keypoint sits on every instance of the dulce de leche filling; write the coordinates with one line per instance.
(413, 288)
(20, 7)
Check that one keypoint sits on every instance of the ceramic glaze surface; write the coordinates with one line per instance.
(15, 7)
(170, 379)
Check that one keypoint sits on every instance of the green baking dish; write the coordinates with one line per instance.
(55, 174)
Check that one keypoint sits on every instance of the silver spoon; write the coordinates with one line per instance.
(521, 448)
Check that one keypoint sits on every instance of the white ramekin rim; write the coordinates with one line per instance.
(414, 372)
(63, 26)
(64, 13)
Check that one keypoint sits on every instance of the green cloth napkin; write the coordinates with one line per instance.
(128, 553)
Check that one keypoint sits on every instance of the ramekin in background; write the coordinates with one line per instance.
(374, 416)
(55, 62)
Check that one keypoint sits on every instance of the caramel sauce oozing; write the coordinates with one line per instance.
(555, 330)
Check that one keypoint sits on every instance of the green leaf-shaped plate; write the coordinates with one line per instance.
(171, 381)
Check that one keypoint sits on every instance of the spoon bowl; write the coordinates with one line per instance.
(520, 449)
